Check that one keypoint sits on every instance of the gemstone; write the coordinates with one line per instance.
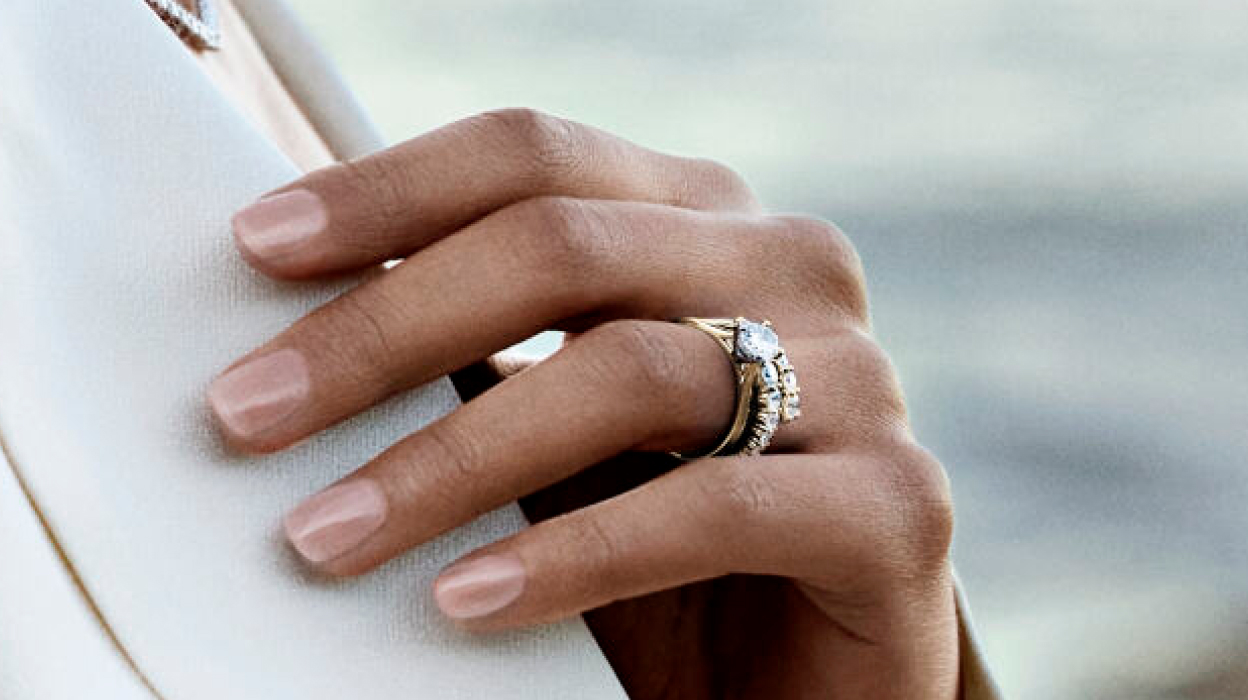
(792, 407)
(199, 28)
(756, 342)
(755, 446)
(790, 381)
(783, 363)
(771, 420)
(772, 400)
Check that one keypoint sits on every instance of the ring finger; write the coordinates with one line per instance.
(621, 386)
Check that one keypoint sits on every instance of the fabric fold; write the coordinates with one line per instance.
(52, 642)
(121, 296)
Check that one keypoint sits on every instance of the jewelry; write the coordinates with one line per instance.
(766, 384)
(198, 29)
(777, 400)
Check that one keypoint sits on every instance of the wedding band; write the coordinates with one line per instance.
(767, 393)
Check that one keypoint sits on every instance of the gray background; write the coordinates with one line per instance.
(1050, 200)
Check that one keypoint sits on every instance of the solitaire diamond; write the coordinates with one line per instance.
(756, 342)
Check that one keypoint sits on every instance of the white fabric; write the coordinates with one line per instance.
(120, 297)
(51, 644)
(977, 681)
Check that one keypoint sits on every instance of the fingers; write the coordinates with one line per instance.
(626, 385)
(527, 268)
(394, 202)
(841, 523)
(619, 386)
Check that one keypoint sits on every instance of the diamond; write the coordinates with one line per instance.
(771, 420)
(771, 401)
(756, 342)
(792, 407)
(790, 382)
(199, 28)
(783, 363)
(771, 375)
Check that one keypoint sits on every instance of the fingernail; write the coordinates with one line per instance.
(259, 394)
(279, 224)
(479, 586)
(336, 520)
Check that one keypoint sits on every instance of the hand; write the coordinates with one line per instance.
(818, 570)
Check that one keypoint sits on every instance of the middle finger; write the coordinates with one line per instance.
(526, 268)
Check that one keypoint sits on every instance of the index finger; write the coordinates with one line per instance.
(397, 201)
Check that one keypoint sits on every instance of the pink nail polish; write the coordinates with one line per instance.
(259, 394)
(480, 586)
(336, 520)
(281, 223)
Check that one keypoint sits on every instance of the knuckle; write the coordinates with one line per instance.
(923, 504)
(740, 493)
(715, 185)
(565, 235)
(548, 144)
(359, 323)
(525, 125)
(459, 458)
(600, 551)
(651, 358)
(831, 261)
(875, 389)
(377, 186)
(865, 356)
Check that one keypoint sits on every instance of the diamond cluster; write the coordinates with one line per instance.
(776, 395)
(199, 29)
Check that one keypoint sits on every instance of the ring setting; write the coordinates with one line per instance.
(768, 394)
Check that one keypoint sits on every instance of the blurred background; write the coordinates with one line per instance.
(1051, 199)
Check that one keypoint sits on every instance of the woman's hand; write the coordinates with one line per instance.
(818, 570)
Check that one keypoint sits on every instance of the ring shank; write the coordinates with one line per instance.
(722, 331)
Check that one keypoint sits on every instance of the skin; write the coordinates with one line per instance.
(819, 570)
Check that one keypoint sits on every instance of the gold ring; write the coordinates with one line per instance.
(767, 393)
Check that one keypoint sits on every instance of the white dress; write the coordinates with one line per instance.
(138, 558)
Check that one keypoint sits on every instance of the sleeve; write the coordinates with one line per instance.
(976, 681)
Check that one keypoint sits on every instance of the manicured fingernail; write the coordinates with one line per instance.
(336, 520)
(480, 586)
(259, 394)
(279, 224)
